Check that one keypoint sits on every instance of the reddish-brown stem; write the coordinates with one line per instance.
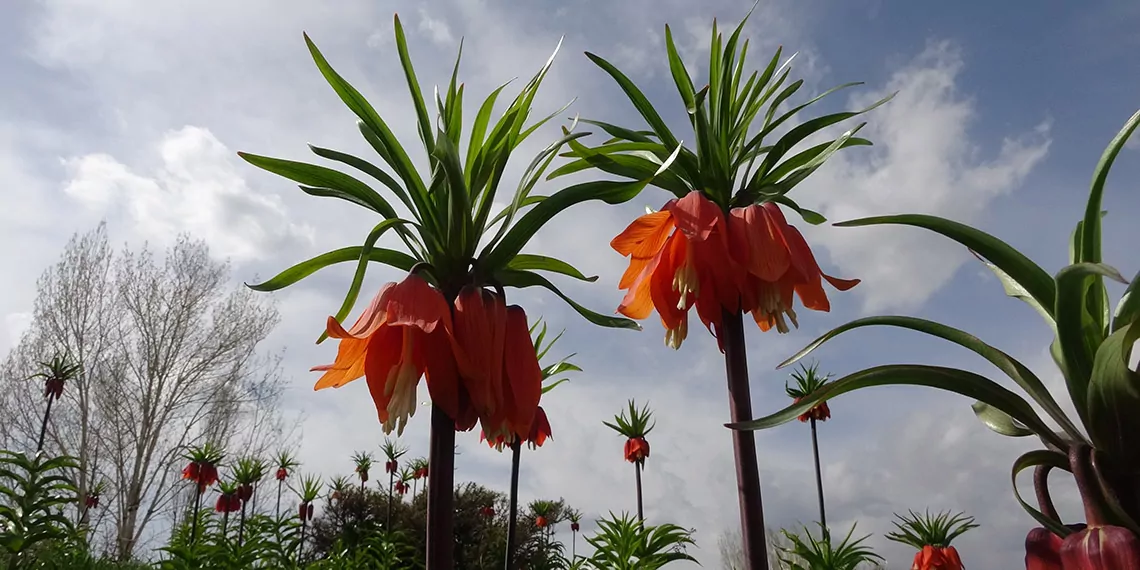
(440, 493)
(754, 541)
(640, 508)
(194, 522)
(43, 426)
(1041, 488)
(512, 520)
(818, 478)
(391, 482)
(1080, 456)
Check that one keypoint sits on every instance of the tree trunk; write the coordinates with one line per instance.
(744, 444)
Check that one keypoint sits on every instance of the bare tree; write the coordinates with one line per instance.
(732, 550)
(169, 355)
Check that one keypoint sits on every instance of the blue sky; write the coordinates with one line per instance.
(132, 111)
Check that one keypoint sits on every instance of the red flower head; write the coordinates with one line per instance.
(363, 473)
(228, 503)
(391, 466)
(282, 473)
(540, 521)
(92, 501)
(402, 487)
(245, 492)
(539, 429)
(53, 388)
(422, 472)
(574, 527)
(202, 473)
(487, 511)
(636, 450)
(820, 412)
(305, 511)
(1042, 550)
(498, 443)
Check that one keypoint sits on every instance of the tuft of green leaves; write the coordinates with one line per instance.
(939, 530)
(35, 491)
(810, 553)
(733, 117)
(447, 220)
(624, 542)
(633, 423)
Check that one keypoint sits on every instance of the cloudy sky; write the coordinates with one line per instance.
(132, 111)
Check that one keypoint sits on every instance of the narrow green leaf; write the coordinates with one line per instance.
(479, 129)
(361, 268)
(551, 385)
(680, 74)
(949, 379)
(1128, 309)
(292, 275)
(1018, 372)
(1114, 398)
(525, 261)
(1033, 459)
(999, 421)
(1090, 241)
(1021, 269)
(371, 170)
(321, 177)
(809, 216)
(423, 121)
(528, 201)
(639, 101)
(523, 279)
(1016, 290)
(1077, 332)
(803, 158)
(608, 191)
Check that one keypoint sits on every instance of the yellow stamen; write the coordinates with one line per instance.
(685, 280)
(674, 337)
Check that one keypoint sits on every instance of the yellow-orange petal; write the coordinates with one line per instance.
(348, 366)
(416, 303)
(642, 229)
(644, 251)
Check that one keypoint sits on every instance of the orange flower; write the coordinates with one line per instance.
(636, 450)
(819, 412)
(669, 269)
(390, 345)
(480, 365)
(540, 521)
(539, 430)
(935, 558)
(691, 253)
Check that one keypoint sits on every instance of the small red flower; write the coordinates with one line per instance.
(53, 388)
(636, 450)
(540, 521)
(391, 466)
(539, 429)
(92, 501)
(574, 527)
(401, 487)
(363, 474)
(228, 503)
(421, 473)
(487, 511)
(819, 412)
(282, 473)
(202, 473)
(305, 511)
(245, 492)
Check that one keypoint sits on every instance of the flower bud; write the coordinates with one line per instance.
(1042, 550)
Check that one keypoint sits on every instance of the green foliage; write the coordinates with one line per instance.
(35, 491)
(635, 424)
(625, 543)
(809, 553)
(939, 530)
(808, 380)
(1092, 349)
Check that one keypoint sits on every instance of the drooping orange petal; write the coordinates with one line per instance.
(415, 303)
(754, 229)
(521, 371)
(666, 299)
(371, 319)
(841, 284)
(442, 374)
(385, 348)
(480, 319)
(638, 302)
(348, 366)
(644, 229)
(695, 215)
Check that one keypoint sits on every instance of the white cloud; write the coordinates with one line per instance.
(15, 324)
(924, 161)
(435, 29)
(196, 190)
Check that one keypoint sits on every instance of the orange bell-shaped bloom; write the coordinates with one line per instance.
(930, 558)
(636, 450)
(678, 258)
(539, 429)
(390, 345)
(779, 265)
(692, 254)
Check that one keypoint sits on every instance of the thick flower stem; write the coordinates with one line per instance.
(194, 522)
(640, 507)
(1041, 489)
(744, 444)
(301, 543)
(441, 498)
(241, 526)
(512, 520)
(391, 481)
(280, 483)
(43, 426)
(818, 478)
